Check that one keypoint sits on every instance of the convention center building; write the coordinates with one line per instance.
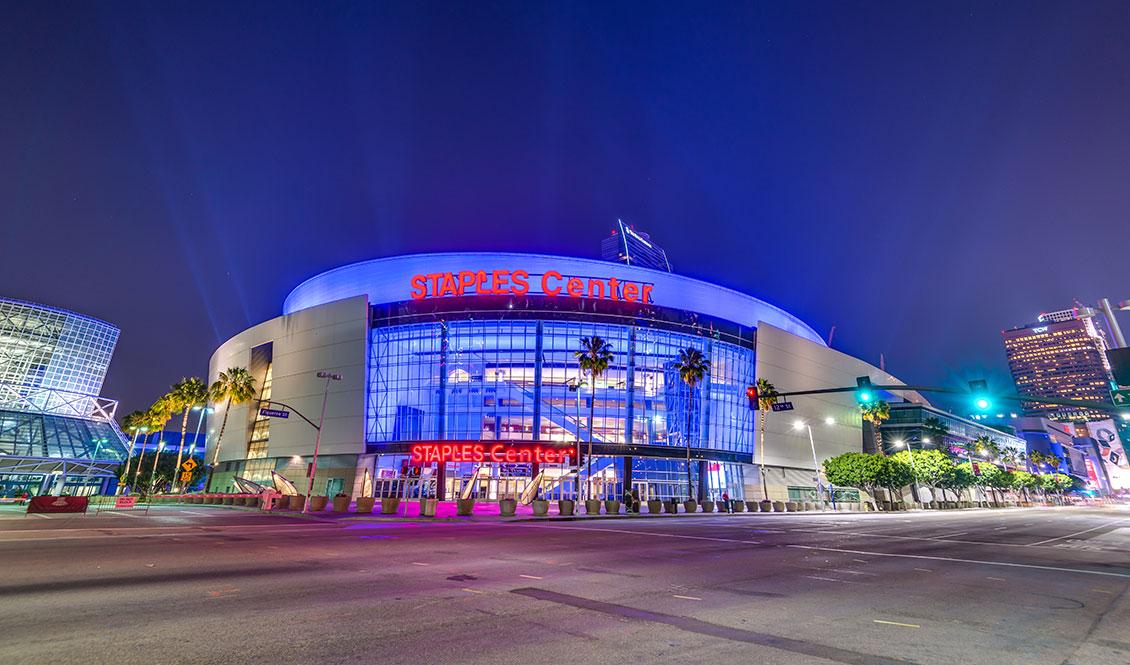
(460, 370)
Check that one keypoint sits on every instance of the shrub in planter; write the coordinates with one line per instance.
(566, 507)
(296, 502)
(365, 504)
(318, 503)
(778, 506)
(341, 503)
(690, 506)
(708, 506)
(541, 507)
(670, 506)
(592, 506)
(464, 507)
(506, 507)
(611, 507)
(654, 506)
(389, 505)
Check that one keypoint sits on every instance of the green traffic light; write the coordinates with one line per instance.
(865, 397)
(983, 403)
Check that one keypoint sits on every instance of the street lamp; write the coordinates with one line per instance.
(153, 473)
(129, 458)
(801, 425)
(204, 410)
(328, 376)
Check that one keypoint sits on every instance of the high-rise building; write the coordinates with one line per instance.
(635, 248)
(1062, 355)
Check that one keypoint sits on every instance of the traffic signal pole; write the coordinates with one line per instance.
(1099, 406)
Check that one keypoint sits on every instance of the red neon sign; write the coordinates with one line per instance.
(517, 283)
(502, 453)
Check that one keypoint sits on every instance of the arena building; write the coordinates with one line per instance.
(458, 373)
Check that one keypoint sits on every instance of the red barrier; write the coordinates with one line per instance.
(57, 504)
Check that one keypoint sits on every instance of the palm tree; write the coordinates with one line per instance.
(134, 423)
(156, 417)
(766, 398)
(693, 368)
(186, 395)
(875, 413)
(594, 356)
(235, 385)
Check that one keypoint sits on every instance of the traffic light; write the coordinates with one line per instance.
(751, 394)
(864, 392)
(982, 401)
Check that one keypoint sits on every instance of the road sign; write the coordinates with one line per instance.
(783, 406)
(189, 464)
(186, 476)
(1121, 397)
(125, 502)
(274, 413)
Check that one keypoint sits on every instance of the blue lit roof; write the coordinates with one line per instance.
(388, 280)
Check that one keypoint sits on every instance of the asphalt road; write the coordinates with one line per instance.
(215, 585)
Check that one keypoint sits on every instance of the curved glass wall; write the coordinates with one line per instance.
(518, 380)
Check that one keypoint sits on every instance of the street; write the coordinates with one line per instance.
(210, 584)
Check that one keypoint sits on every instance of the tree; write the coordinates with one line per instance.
(594, 356)
(959, 480)
(235, 385)
(1057, 482)
(766, 398)
(167, 471)
(930, 467)
(989, 479)
(875, 413)
(134, 422)
(187, 394)
(866, 471)
(693, 368)
(936, 430)
(1024, 481)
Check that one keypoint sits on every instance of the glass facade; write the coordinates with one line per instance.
(518, 380)
(46, 436)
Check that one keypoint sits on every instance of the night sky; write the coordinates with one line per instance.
(920, 177)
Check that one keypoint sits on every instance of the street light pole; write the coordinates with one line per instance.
(913, 469)
(318, 437)
(129, 458)
(153, 473)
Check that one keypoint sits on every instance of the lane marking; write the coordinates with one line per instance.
(951, 535)
(420, 563)
(1000, 528)
(896, 623)
(1102, 591)
(956, 560)
(1077, 533)
(852, 572)
(924, 570)
(675, 595)
(120, 532)
(826, 579)
(999, 579)
(641, 533)
(471, 590)
(532, 577)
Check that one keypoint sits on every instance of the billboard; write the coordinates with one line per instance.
(1112, 452)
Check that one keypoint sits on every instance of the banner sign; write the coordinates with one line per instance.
(485, 451)
(57, 504)
(125, 502)
(520, 282)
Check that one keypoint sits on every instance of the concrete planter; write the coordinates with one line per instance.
(708, 506)
(778, 506)
(611, 507)
(229, 501)
(739, 506)
(196, 499)
(506, 507)
(428, 507)
(566, 507)
(690, 506)
(884, 505)
(592, 506)
(541, 507)
(464, 507)
(753, 506)
(341, 504)
(670, 506)
(654, 506)
(389, 506)
(251, 501)
(318, 503)
(721, 506)
(297, 502)
(793, 506)
(365, 505)
(809, 506)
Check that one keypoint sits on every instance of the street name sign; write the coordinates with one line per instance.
(783, 406)
(274, 413)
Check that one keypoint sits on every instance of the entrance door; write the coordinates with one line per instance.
(334, 485)
(641, 486)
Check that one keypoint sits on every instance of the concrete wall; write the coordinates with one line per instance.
(792, 363)
(327, 337)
